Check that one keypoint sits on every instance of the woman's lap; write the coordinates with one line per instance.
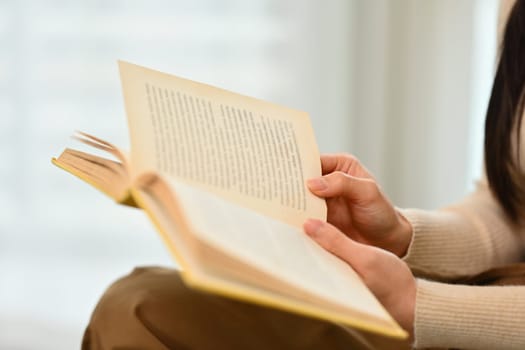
(151, 308)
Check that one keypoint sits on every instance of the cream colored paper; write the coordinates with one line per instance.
(252, 152)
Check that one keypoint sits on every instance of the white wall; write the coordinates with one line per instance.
(422, 80)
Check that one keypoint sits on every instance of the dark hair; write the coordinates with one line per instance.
(504, 117)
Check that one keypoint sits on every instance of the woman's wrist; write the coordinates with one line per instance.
(410, 310)
(401, 236)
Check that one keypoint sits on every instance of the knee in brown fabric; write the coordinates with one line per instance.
(118, 319)
(151, 308)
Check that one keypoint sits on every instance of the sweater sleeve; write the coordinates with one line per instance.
(462, 240)
(467, 317)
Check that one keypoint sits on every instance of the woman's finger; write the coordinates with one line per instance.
(341, 184)
(338, 162)
(329, 163)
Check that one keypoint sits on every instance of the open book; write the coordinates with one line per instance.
(222, 177)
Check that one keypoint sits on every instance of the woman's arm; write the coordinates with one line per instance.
(463, 239)
(468, 317)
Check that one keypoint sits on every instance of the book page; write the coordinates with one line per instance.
(252, 152)
(277, 249)
(201, 270)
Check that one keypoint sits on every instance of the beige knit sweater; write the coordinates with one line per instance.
(463, 240)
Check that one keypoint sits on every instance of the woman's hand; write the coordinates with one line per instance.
(357, 206)
(387, 276)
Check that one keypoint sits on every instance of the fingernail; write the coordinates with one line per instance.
(312, 226)
(317, 184)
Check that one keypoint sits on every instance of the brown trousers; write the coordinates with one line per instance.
(152, 309)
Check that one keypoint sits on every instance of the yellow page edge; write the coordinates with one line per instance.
(126, 199)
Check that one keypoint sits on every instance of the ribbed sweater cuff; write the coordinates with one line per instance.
(430, 239)
(445, 244)
(469, 317)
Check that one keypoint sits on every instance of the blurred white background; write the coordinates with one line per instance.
(402, 84)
